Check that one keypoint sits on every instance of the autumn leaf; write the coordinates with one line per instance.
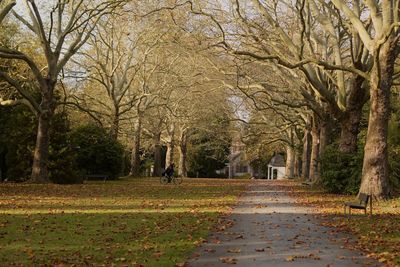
(228, 260)
(290, 258)
(234, 250)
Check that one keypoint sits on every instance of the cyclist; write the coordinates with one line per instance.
(169, 172)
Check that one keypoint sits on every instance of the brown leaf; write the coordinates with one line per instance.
(228, 260)
(290, 258)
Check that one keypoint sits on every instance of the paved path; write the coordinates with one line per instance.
(270, 229)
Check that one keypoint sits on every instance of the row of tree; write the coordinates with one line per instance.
(138, 77)
(308, 71)
(323, 60)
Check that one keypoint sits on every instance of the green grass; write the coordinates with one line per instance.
(377, 235)
(126, 222)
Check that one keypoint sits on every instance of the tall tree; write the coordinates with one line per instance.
(382, 44)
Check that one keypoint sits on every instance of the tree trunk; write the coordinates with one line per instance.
(183, 154)
(41, 155)
(314, 160)
(115, 126)
(157, 155)
(170, 147)
(306, 156)
(290, 159)
(325, 135)
(135, 156)
(375, 173)
(350, 121)
(297, 165)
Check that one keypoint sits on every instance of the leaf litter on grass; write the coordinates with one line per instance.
(129, 222)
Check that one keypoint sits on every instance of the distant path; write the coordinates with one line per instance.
(270, 229)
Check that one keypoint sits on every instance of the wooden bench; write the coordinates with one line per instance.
(103, 177)
(361, 205)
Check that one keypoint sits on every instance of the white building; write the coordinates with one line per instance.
(276, 168)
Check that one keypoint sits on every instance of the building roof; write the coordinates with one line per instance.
(277, 161)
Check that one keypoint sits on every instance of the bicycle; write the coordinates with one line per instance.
(175, 180)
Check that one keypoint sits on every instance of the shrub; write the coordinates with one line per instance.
(17, 143)
(341, 172)
(394, 165)
(97, 152)
(62, 156)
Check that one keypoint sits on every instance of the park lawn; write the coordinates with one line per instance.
(131, 222)
(377, 235)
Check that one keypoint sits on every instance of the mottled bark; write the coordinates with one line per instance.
(114, 131)
(170, 146)
(183, 154)
(297, 164)
(314, 160)
(306, 156)
(375, 173)
(41, 154)
(157, 155)
(350, 120)
(135, 155)
(290, 159)
(325, 134)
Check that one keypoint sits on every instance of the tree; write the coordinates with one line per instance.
(61, 35)
(383, 45)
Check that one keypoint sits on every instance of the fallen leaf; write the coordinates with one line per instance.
(290, 258)
(228, 260)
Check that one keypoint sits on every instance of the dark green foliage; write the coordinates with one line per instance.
(209, 149)
(394, 144)
(62, 156)
(17, 142)
(204, 160)
(394, 164)
(341, 172)
(97, 152)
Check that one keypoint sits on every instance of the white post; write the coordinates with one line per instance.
(268, 173)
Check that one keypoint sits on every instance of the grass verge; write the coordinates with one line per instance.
(132, 222)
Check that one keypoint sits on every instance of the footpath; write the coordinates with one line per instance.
(269, 229)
